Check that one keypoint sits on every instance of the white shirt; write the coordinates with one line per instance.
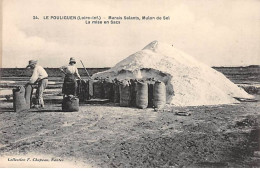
(71, 69)
(38, 73)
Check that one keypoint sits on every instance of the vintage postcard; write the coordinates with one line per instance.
(130, 84)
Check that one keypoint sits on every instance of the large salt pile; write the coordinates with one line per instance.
(188, 82)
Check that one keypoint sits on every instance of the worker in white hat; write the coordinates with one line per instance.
(40, 78)
(71, 74)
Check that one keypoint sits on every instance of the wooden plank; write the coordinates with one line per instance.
(97, 101)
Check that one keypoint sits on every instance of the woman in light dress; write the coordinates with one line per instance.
(71, 74)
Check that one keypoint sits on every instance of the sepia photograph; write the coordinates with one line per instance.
(130, 84)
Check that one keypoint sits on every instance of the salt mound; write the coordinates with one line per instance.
(188, 82)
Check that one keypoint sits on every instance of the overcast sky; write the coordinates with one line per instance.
(218, 33)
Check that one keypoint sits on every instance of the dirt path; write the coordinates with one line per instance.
(112, 136)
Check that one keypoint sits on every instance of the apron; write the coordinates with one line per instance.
(69, 85)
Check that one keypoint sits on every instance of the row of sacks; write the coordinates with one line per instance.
(142, 94)
(128, 93)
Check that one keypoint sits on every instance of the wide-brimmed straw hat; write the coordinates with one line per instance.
(72, 60)
(31, 63)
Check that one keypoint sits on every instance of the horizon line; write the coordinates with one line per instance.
(111, 67)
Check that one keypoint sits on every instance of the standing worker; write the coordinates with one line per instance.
(70, 82)
(39, 77)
